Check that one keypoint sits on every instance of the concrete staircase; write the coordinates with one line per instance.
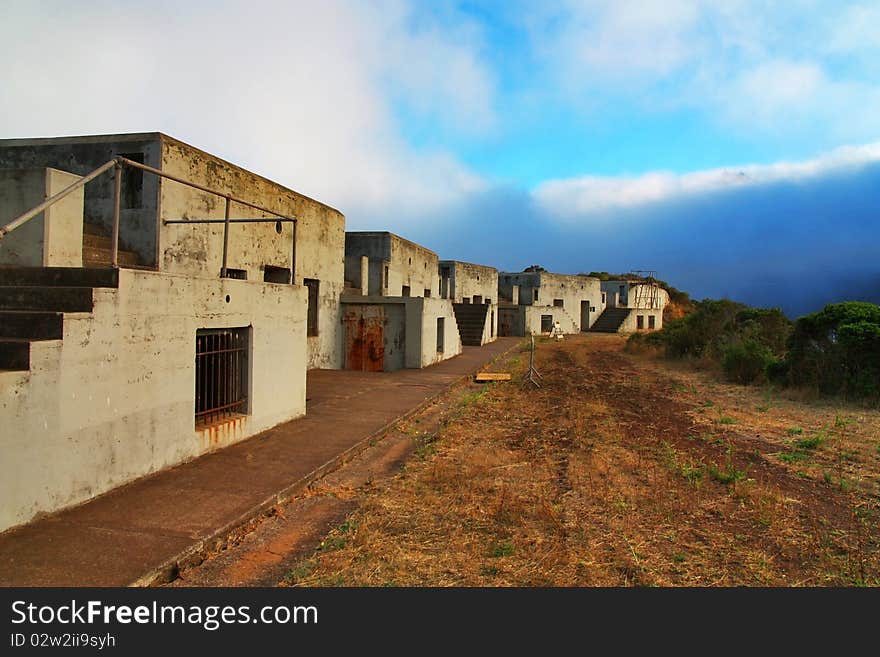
(471, 320)
(610, 320)
(97, 249)
(33, 301)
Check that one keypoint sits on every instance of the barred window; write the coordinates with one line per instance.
(221, 374)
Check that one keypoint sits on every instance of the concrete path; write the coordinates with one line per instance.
(137, 533)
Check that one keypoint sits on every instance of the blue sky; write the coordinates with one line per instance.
(731, 145)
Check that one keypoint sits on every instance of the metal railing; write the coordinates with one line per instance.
(118, 163)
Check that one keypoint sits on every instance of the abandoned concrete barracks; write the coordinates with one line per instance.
(158, 303)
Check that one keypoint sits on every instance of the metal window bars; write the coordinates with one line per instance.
(221, 374)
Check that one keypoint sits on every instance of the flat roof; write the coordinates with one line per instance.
(145, 136)
(470, 264)
(389, 234)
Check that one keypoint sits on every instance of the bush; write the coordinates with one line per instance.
(747, 362)
(837, 350)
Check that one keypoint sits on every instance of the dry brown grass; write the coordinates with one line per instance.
(620, 470)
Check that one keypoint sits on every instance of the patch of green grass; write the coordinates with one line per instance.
(501, 549)
(726, 420)
(513, 362)
(810, 443)
(332, 543)
(794, 431)
(793, 457)
(729, 473)
(299, 572)
(678, 557)
(840, 421)
(763, 408)
(488, 571)
(827, 478)
(708, 403)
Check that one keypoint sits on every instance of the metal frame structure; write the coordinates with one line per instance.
(117, 164)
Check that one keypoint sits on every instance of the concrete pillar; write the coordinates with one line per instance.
(365, 275)
(514, 294)
(51, 239)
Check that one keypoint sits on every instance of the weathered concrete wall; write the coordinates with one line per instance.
(476, 284)
(394, 262)
(413, 266)
(630, 294)
(138, 227)
(631, 323)
(198, 249)
(417, 325)
(115, 399)
(576, 293)
(54, 237)
(470, 280)
(376, 248)
(511, 320)
(421, 332)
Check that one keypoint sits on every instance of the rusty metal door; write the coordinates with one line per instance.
(364, 338)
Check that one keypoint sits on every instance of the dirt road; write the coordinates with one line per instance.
(619, 470)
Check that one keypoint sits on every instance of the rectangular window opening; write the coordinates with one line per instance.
(546, 323)
(222, 374)
(441, 326)
(559, 303)
(405, 292)
(427, 292)
(478, 299)
(132, 182)
(273, 274)
(536, 295)
(640, 321)
(651, 321)
(238, 274)
(312, 320)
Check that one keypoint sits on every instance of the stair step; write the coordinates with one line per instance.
(60, 276)
(15, 355)
(33, 325)
(58, 299)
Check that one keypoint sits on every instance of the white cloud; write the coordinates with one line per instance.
(857, 28)
(784, 71)
(575, 198)
(300, 92)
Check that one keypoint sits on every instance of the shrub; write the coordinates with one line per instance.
(837, 350)
(747, 362)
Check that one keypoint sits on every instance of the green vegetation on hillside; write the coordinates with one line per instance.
(833, 351)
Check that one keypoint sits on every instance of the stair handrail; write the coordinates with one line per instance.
(118, 163)
(33, 212)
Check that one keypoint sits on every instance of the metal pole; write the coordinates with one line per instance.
(293, 258)
(225, 238)
(117, 200)
(33, 212)
(162, 174)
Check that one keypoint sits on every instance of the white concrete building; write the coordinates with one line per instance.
(109, 374)
(531, 302)
(632, 305)
(393, 315)
(473, 290)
